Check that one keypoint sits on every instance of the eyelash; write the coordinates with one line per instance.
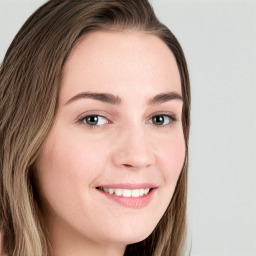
(171, 117)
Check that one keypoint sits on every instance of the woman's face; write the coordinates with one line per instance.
(109, 166)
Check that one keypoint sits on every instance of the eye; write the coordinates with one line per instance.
(162, 120)
(94, 120)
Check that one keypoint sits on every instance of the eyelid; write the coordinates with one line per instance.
(163, 113)
(93, 113)
(103, 114)
(81, 118)
(170, 115)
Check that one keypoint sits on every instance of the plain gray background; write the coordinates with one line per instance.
(219, 41)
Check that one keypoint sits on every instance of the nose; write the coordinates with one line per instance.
(133, 150)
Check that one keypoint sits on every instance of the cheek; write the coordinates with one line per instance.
(60, 168)
(171, 159)
(68, 165)
(172, 155)
(68, 155)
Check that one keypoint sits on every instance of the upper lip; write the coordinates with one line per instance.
(128, 185)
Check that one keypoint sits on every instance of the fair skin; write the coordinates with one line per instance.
(134, 144)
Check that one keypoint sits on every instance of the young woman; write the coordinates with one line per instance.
(94, 105)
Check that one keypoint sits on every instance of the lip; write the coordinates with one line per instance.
(129, 185)
(130, 202)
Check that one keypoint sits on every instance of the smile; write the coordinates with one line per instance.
(134, 196)
(126, 192)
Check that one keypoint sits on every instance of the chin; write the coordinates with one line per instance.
(131, 237)
(131, 230)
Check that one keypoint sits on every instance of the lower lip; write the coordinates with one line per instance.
(131, 202)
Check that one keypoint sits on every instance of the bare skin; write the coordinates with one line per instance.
(130, 138)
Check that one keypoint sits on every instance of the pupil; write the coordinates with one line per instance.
(92, 120)
(158, 120)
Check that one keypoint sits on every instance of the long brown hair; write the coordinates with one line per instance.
(30, 78)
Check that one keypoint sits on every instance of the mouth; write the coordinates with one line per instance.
(129, 195)
(138, 192)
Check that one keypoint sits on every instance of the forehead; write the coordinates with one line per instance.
(120, 63)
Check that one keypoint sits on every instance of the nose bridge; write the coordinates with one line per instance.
(133, 148)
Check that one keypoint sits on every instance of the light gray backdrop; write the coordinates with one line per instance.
(219, 41)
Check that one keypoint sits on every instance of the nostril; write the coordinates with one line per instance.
(127, 165)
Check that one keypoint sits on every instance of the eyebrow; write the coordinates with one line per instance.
(104, 97)
(116, 100)
(164, 97)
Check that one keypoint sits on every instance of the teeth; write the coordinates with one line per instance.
(135, 193)
(106, 190)
(118, 192)
(146, 191)
(126, 192)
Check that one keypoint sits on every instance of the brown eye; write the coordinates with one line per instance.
(93, 120)
(158, 120)
(161, 120)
